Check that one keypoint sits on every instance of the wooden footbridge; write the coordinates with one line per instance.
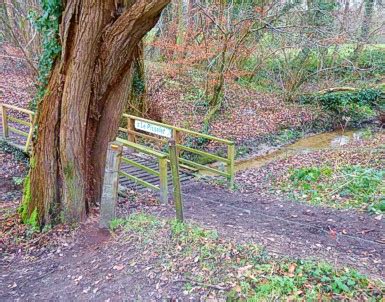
(144, 161)
(142, 178)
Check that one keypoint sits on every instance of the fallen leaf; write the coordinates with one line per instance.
(118, 267)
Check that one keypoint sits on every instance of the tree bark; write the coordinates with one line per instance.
(87, 91)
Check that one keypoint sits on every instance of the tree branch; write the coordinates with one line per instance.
(121, 37)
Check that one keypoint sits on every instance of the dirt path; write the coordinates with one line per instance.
(90, 269)
(291, 229)
(98, 267)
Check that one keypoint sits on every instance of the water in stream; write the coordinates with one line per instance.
(333, 139)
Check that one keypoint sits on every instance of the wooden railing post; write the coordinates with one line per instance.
(30, 134)
(178, 140)
(163, 180)
(4, 121)
(130, 135)
(175, 180)
(130, 127)
(230, 164)
(110, 185)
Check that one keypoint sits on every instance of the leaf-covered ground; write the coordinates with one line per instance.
(16, 82)
(247, 114)
(151, 258)
(351, 176)
(212, 267)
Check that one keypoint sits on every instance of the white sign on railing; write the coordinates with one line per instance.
(154, 129)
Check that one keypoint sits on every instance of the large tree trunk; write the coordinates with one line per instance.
(86, 95)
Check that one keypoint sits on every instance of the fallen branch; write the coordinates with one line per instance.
(207, 285)
(337, 89)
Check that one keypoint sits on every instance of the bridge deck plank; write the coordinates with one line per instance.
(127, 184)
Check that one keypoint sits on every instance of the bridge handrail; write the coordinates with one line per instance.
(6, 128)
(162, 173)
(195, 133)
(229, 160)
(27, 111)
(141, 148)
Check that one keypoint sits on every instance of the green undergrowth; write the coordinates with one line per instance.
(346, 186)
(208, 265)
(268, 74)
(352, 107)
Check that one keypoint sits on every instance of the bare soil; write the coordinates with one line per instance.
(292, 229)
(94, 265)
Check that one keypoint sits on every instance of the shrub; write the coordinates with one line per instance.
(356, 105)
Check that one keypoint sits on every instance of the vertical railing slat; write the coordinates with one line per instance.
(231, 165)
(163, 180)
(4, 121)
(30, 134)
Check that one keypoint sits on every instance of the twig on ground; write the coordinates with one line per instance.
(207, 285)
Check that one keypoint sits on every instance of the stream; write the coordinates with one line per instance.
(332, 139)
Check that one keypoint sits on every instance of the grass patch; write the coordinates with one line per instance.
(142, 224)
(209, 265)
(347, 186)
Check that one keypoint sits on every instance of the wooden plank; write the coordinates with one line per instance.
(14, 130)
(163, 180)
(4, 120)
(141, 148)
(135, 184)
(203, 153)
(30, 134)
(109, 197)
(194, 133)
(231, 165)
(130, 127)
(154, 138)
(186, 161)
(137, 172)
(148, 178)
(126, 180)
(176, 134)
(138, 180)
(140, 166)
(18, 109)
(176, 181)
(19, 121)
